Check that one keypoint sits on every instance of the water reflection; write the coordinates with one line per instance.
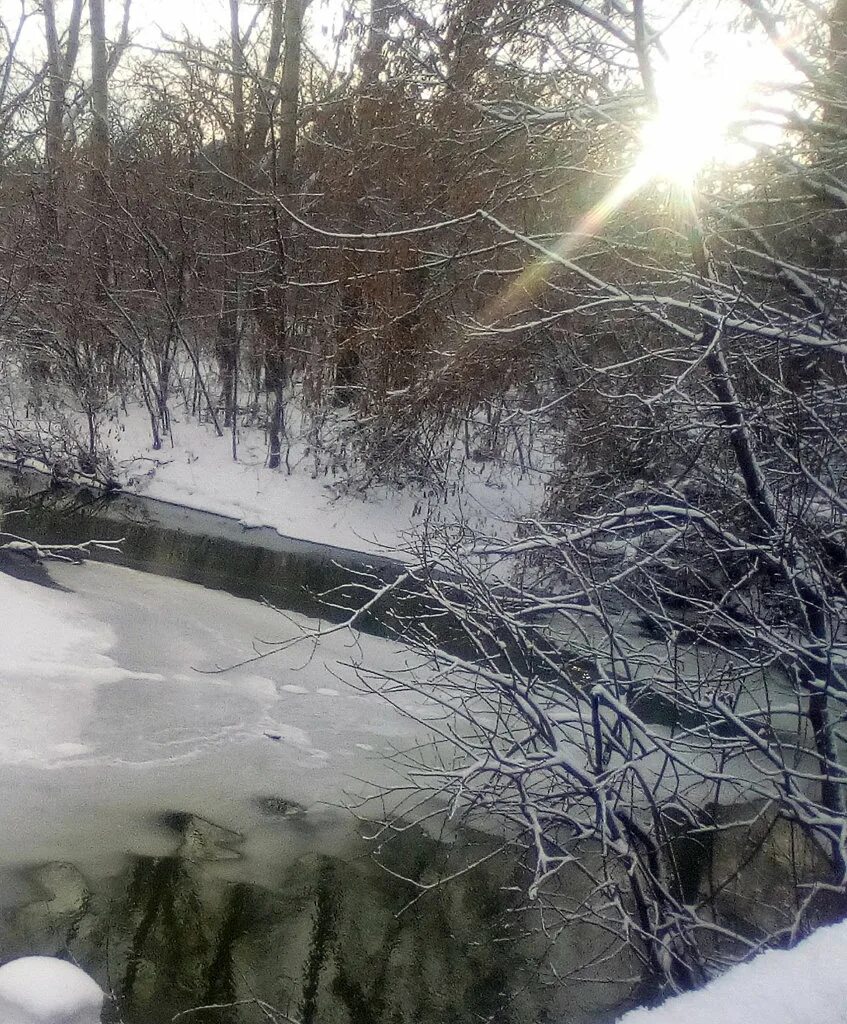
(197, 547)
(326, 940)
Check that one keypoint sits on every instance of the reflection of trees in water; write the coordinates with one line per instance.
(167, 926)
(322, 940)
(328, 943)
(221, 975)
(291, 577)
(369, 960)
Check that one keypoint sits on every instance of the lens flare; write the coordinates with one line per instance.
(691, 128)
(698, 102)
(531, 280)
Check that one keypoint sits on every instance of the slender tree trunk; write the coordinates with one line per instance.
(60, 66)
(56, 86)
(288, 103)
(230, 317)
(100, 138)
(264, 108)
(289, 93)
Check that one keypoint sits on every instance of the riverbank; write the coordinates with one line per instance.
(310, 498)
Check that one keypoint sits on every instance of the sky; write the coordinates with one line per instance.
(688, 32)
(713, 70)
(209, 18)
(150, 19)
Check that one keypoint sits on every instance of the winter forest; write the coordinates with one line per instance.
(450, 396)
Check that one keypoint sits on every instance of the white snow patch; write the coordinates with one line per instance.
(803, 985)
(44, 990)
(53, 657)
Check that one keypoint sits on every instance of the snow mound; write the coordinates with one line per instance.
(44, 990)
(803, 985)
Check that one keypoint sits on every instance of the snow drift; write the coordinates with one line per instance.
(803, 985)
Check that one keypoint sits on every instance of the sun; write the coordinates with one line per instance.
(698, 108)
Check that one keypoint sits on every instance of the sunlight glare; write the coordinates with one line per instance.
(697, 110)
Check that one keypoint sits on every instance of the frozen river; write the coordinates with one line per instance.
(184, 833)
(179, 832)
(110, 694)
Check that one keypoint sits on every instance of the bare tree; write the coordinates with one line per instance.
(658, 663)
(61, 63)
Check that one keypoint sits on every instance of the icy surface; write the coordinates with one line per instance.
(111, 711)
(44, 990)
(804, 985)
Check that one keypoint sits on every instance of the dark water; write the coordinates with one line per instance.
(198, 547)
(326, 938)
(259, 564)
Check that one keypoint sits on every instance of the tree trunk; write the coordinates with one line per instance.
(228, 343)
(288, 101)
(266, 88)
(100, 139)
(60, 66)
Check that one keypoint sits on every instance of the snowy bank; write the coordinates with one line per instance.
(315, 497)
(306, 501)
(804, 985)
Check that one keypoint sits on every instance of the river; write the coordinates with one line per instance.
(183, 833)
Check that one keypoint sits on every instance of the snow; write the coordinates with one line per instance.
(320, 498)
(803, 985)
(198, 472)
(49, 646)
(44, 990)
(110, 701)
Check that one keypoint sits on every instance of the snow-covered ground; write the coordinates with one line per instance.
(310, 498)
(109, 716)
(198, 471)
(804, 985)
(45, 990)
